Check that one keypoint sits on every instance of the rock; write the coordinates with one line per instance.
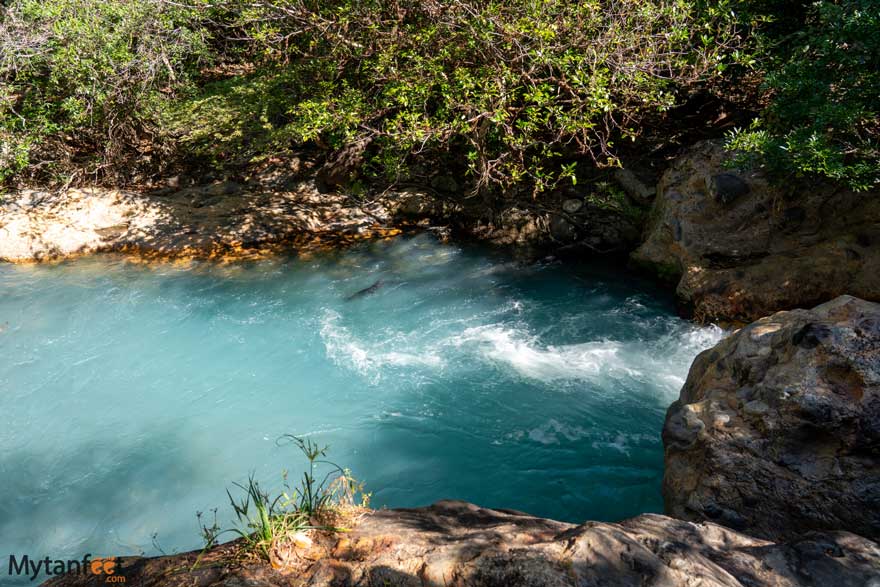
(222, 219)
(511, 226)
(800, 449)
(40, 225)
(726, 188)
(640, 193)
(572, 205)
(739, 248)
(459, 544)
(342, 167)
(223, 188)
(562, 230)
(417, 204)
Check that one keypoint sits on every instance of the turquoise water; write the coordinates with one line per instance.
(131, 396)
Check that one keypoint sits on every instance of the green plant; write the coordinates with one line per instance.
(265, 521)
(234, 121)
(84, 76)
(210, 534)
(824, 114)
(313, 497)
(516, 87)
(608, 196)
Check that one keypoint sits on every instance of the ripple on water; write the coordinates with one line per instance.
(134, 394)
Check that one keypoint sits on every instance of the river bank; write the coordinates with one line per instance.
(735, 247)
(770, 460)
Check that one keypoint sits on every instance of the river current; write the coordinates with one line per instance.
(132, 396)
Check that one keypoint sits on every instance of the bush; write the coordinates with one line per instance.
(824, 115)
(512, 91)
(84, 76)
(517, 87)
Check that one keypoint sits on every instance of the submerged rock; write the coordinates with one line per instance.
(739, 247)
(777, 430)
(458, 544)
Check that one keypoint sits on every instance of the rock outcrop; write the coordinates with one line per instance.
(216, 220)
(570, 222)
(459, 544)
(777, 430)
(739, 248)
(229, 220)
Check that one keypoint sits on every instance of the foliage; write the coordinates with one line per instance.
(89, 73)
(210, 534)
(312, 496)
(234, 121)
(516, 93)
(824, 117)
(517, 86)
(266, 521)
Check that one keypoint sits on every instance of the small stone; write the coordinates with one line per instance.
(756, 408)
(721, 420)
(572, 205)
(745, 393)
(634, 187)
(301, 540)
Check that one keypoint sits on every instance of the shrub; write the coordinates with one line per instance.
(824, 115)
(515, 86)
(84, 76)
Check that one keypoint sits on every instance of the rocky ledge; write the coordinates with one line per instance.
(772, 479)
(455, 543)
(739, 248)
(224, 219)
(231, 220)
(777, 430)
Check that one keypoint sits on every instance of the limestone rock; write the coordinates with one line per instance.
(739, 248)
(219, 219)
(777, 430)
(459, 544)
(41, 225)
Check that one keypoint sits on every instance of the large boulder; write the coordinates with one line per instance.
(739, 247)
(458, 544)
(777, 430)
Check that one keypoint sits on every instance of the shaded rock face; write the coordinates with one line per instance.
(777, 430)
(739, 248)
(219, 219)
(569, 223)
(459, 544)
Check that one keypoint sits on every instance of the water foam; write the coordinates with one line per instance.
(525, 355)
(347, 351)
